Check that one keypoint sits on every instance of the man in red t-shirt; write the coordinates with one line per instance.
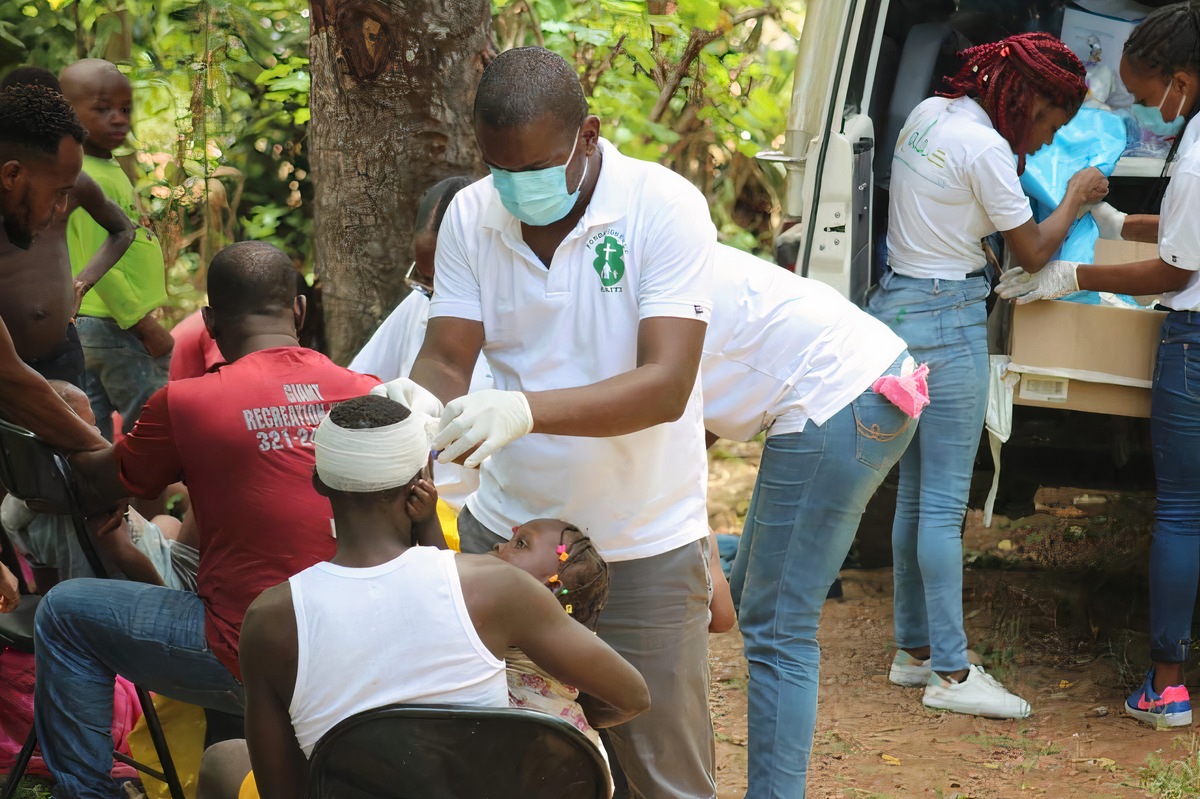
(195, 352)
(241, 438)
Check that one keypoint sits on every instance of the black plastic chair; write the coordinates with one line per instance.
(32, 471)
(456, 752)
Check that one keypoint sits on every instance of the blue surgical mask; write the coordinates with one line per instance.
(1151, 119)
(538, 197)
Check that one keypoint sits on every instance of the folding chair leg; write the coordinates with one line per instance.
(160, 744)
(18, 770)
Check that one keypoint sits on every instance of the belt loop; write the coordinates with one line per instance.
(937, 286)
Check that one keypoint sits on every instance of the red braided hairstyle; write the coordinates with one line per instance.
(1004, 76)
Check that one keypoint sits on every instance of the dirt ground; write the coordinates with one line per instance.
(1055, 607)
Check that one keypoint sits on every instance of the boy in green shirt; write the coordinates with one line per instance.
(125, 348)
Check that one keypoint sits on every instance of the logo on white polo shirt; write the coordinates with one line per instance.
(609, 263)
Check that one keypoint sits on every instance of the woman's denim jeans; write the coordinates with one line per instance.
(944, 323)
(812, 489)
(1175, 433)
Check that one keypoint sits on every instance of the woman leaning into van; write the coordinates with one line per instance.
(955, 181)
(1161, 68)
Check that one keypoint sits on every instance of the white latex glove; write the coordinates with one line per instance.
(1110, 221)
(411, 395)
(489, 419)
(1056, 279)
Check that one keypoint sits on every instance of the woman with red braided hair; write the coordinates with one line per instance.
(955, 181)
(1161, 68)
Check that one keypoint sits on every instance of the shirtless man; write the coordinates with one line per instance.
(40, 298)
(40, 158)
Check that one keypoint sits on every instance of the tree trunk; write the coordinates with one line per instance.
(393, 83)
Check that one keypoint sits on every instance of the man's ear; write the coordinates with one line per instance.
(210, 324)
(11, 174)
(319, 486)
(300, 311)
(591, 134)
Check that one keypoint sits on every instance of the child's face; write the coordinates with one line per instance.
(105, 110)
(533, 548)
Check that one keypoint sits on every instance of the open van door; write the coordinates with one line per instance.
(830, 145)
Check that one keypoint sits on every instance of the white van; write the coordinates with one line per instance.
(862, 66)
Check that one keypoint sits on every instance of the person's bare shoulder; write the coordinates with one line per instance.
(497, 597)
(268, 641)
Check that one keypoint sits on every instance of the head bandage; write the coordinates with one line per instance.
(376, 459)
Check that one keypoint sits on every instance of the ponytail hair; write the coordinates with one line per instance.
(1004, 76)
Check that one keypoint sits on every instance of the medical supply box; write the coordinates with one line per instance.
(1094, 358)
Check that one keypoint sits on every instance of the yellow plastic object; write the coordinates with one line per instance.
(449, 519)
(249, 789)
(184, 726)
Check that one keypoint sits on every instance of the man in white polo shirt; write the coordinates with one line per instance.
(584, 277)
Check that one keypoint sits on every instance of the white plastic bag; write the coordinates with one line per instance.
(998, 420)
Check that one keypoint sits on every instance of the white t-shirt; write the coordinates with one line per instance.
(782, 350)
(642, 249)
(391, 353)
(954, 181)
(1178, 230)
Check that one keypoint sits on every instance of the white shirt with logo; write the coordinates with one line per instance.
(1178, 231)
(782, 350)
(391, 353)
(643, 249)
(954, 181)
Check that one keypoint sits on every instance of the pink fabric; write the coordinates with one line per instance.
(16, 715)
(909, 393)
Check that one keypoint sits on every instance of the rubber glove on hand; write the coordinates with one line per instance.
(488, 419)
(411, 395)
(1056, 279)
(1109, 220)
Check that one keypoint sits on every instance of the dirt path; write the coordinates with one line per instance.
(875, 740)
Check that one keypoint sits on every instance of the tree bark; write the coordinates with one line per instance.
(393, 84)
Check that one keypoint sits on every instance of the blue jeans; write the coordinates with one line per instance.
(89, 630)
(944, 323)
(121, 376)
(1175, 433)
(812, 489)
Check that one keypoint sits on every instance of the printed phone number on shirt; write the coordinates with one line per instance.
(269, 440)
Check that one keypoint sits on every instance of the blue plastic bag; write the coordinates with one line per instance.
(1092, 138)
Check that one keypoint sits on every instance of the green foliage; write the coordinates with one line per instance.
(220, 106)
(1173, 779)
(221, 101)
(698, 85)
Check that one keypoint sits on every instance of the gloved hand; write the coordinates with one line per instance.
(1056, 279)
(488, 419)
(1110, 221)
(411, 395)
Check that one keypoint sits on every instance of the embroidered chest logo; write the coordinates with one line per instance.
(609, 263)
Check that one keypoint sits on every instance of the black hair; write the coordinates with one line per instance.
(36, 118)
(251, 277)
(1167, 40)
(368, 412)
(523, 84)
(31, 76)
(582, 582)
(435, 201)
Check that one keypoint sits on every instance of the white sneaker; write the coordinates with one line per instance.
(912, 673)
(977, 695)
(908, 671)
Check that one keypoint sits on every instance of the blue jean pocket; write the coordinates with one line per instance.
(882, 431)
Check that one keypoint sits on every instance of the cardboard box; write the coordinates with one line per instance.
(1092, 358)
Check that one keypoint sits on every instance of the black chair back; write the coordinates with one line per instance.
(456, 752)
(33, 471)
